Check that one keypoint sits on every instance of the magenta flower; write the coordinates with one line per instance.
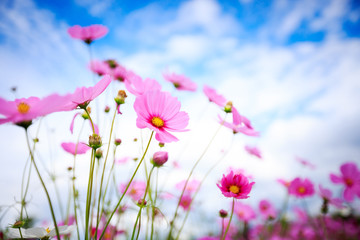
(267, 210)
(99, 67)
(305, 163)
(180, 82)
(350, 178)
(160, 158)
(159, 111)
(301, 188)
(136, 189)
(214, 96)
(244, 211)
(240, 124)
(82, 96)
(235, 185)
(27, 109)
(253, 151)
(326, 194)
(135, 85)
(88, 34)
(74, 148)
(119, 73)
(185, 202)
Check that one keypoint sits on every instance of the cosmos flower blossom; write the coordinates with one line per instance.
(350, 178)
(74, 148)
(305, 163)
(39, 232)
(136, 189)
(82, 96)
(244, 211)
(191, 186)
(27, 109)
(326, 194)
(185, 202)
(301, 188)
(99, 67)
(267, 210)
(235, 185)
(253, 151)
(135, 85)
(160, 112)
(88, 34)
(180, 82)
(214, 97)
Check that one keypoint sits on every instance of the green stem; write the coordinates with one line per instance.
(91, 121)
(127, 187)
(43, 184)
(231, 215)
(89, 193)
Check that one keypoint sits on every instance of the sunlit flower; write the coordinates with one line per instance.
(214, 97)
(160, 158)
(253, 151)
(350, 178)
(88, 34)
(136, 189)
(267, 210)
(82, 96)
(326, 194)
(99, 67)
(191, 186)
(244, 211)
(240, 124)
(119, 73)
(160, 112)
(301, 188)
(235, 185)
(74, 148)
(185, 202)
(135, 85)
(39, 232)
(27, 109)
(180, 82)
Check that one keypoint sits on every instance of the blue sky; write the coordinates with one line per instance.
(292, 67)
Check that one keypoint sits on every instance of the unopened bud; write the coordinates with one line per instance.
(161, 144)
(159, 158)
(112, 63)
(98, 153)
(85, 114)
(18, 224)
(36, 140)
(117, 141)
(95, 141)
(141, 203)
(120, 98)
(107, 109)
(223, 213)
(228, 107)
(69, 169)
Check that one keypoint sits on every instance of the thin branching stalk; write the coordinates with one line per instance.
(231, 215)
(89, 193)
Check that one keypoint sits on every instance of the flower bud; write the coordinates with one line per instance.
(135, 139)
(85, 114)
(228, 107)
(161, 144)
(69, 169)
(112, 63)
(98, 153)
(117, 141)
(223, 213)
(120, 98)
(95, 141)
(107, 109)
(159, 158)
(18, 224)
(141, 203)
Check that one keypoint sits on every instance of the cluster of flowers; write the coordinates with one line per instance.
(160, 112)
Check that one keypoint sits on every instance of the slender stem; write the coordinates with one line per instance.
(127, 187)
(91, 121)
(231, 215)
(21, 234)
(43, 184)
(188, 178)
(222, 227)
(89, 193)
(102, 175)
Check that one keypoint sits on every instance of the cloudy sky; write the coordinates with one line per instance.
(292, 67)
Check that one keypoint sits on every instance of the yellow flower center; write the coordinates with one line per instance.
(47, 230)
(234, 189)
(157, 122)
(349, 182)
(301, 190)
(23, 107)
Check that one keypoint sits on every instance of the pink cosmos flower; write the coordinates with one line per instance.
(253, 151)
(27, 109)
(284, 182)
(74, 148)
(185, 202)
(235, 185)
(301, 188)
(136, 190)
(326, 194)
(160, 158)
(82, 96)
(96, 128)
(239, 171)
(88, 34)
(180, 82)
(244, 211)
(99, 67)
(350, 178)
(122, 160)
(119, 73)
(159, 111)
(191, 186)
(135, 85)
(305, 162)
(214, 96)
(267, 210)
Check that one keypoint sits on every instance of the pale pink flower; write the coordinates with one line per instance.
(305, 162)
(27, 109)
(185, 202)
(267, 210)
(119, 73)
(214, 96)
(82, 96)
(326, 194)
(160, 112)
(244, 211)
(191, 186)
(235, 185)
(301, 188)
(284, 182)
(180, 82)
(253, 151)
(122, 160)
(74, 148)
(99, 67)
(240, 124)
(135, 85)
(88, 34)
(136, 189)
(350, 178)
(96, 128)
(160, 158)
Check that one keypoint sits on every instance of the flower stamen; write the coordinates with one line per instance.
(301, 190)
(234, 189)
(157, 122)
(47, 230)
(23, 108)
